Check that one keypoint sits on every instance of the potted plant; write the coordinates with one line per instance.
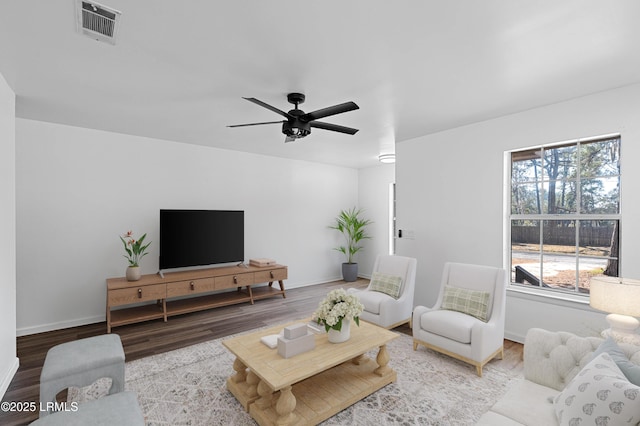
(135, 252)
(352, 226)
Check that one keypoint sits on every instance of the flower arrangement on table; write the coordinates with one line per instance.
(134, 248)
(337, 306)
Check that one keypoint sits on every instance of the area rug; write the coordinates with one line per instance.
(188, 387)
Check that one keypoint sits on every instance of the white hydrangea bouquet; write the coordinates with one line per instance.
(335, 307)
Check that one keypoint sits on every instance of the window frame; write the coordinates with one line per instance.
(509, 217)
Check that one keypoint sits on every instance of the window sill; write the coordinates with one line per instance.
(576, 301)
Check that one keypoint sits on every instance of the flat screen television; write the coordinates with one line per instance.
(200, 237)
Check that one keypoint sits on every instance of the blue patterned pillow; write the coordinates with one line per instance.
(628, 368)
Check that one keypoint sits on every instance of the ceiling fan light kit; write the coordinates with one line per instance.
(298, 124)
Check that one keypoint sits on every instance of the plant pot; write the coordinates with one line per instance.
(349, 272)
(343, 335)
(133, 273)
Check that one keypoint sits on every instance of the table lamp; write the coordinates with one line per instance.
(621, 298)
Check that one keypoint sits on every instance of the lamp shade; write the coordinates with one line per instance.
(615, 295)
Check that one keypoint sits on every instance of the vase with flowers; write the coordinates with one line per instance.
(135, 250)
(336, 311)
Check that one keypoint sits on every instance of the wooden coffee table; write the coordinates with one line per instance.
(309, 387)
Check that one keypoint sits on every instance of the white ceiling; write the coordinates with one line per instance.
(179, 69)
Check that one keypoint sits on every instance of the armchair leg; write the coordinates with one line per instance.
(499, 353)
(479, 370)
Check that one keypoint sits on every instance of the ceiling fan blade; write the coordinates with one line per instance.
(257, 124)
(269, 107)
(333, 127)
(332, 110)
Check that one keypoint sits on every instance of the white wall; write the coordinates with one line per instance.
(450, 191)
(8, 359)
(373, 196)
(78, 189)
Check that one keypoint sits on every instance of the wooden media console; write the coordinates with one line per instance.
(170, 295)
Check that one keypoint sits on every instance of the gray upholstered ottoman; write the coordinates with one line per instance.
(80, 363)
(121, 409)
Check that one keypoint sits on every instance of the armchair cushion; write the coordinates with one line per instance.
(372, 300)
(450, 324)
(467, 301)
(385, 283)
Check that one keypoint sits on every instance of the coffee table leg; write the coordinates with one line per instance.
(241, 371)
(382, 359)
(285, 406)
(360, 359)
(266, 395)
(252, 381)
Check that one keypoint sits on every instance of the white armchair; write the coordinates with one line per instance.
(380, 307)
(467, 320)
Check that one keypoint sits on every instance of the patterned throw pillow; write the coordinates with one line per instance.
(599, 395)
(470, 302)
(388, 284)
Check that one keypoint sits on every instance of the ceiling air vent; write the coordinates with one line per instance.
(97, 21)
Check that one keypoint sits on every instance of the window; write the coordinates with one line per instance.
(565, 214)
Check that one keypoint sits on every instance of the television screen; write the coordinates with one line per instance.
(200, 237)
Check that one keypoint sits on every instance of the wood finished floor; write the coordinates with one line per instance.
(153, 337)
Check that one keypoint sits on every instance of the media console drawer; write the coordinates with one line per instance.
(134, 294)
(206, 285)
(183, 288)
(271, 275)
(236, 280)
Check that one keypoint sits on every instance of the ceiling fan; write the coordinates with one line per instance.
(298, 124)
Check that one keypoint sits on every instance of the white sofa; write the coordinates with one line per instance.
(551, 360)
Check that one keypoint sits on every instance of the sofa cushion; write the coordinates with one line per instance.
(385, 283)
(629, 369)
(450, 324)
(467, 301)
(527, 403)
(599, 394)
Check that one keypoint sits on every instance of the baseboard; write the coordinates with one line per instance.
(514, 337)
(6, 380)
(25, 331)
